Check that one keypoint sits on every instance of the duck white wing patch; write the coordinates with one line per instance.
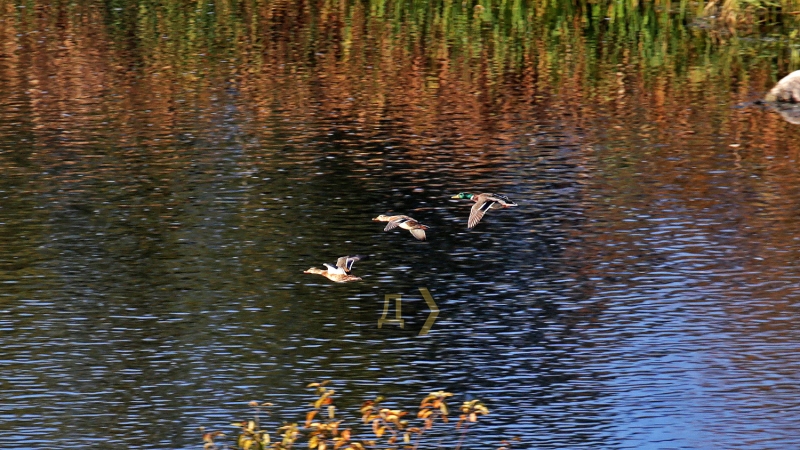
(337, 270)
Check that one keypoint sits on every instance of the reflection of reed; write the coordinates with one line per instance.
(425, 87)
(416, 57)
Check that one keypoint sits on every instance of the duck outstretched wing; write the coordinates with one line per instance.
(478, 210)
(346, 262)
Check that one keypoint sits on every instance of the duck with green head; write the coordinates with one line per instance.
(483, 202)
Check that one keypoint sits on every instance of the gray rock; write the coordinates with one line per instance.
(787, 90)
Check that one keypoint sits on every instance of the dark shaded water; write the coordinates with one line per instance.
(153, 234)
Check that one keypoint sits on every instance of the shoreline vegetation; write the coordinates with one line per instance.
(337, 58)
(381, 427)
(176, 39)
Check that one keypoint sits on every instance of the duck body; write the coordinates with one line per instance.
(333, 276)
(339, 273)
(407, 223)
(483, 202)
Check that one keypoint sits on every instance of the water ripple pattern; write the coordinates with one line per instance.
(162, 196)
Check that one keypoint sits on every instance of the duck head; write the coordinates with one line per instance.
(464, 196)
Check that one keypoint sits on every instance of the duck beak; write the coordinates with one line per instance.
(375, 219)
(455, 196)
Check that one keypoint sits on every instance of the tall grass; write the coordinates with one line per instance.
(508, 31)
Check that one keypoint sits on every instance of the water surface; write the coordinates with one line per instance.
(169, 172)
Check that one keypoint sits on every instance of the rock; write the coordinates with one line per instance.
(787, 90)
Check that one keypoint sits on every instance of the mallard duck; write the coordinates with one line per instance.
(340, 273)
(483, 203)
(407, 223)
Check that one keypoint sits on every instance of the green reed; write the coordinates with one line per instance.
(657, 38)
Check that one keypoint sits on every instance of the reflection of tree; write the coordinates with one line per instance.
(456, 73)
(445, 85)
(426, 88)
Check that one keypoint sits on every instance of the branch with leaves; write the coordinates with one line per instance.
(323, 431)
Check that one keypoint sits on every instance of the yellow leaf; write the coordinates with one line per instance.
(310, 416)
(331, 411)
(473, 417)
(406, 438)
(312, 443)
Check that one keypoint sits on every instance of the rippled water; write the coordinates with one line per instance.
(153, 236)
